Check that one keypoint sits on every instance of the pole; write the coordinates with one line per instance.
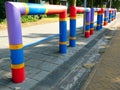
(110, 3)
(84, 17)
(92, 22)
(87, 25)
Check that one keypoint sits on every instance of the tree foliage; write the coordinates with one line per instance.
(2, 9)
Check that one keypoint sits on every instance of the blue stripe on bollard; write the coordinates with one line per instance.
(87, 28)
(17, 56)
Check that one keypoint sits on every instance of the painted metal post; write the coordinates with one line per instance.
(87, 27)
(106, 13)
(110, 16)
(72, 42)
(92, 22)
(101, 18)
(85, 1)
(115, 13)
(15, 43)
(63, 32)
(98, 20)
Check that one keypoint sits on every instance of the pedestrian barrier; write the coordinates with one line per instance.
(109, 15)
(14, 11)
(112, 14)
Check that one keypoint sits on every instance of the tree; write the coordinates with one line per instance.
(2, 9)
(79, 2)
(90, 3)
(72, 2)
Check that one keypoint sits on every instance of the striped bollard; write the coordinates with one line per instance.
(87, 27)
(92, 22)
(115, 13)
(106, 13)
(110, 16)
(98, 20)
(63, 32)
(15, 44)
(72, 42)
(101, 18)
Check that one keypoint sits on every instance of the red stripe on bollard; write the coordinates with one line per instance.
(112, 19)
(105, 23)
(18, 75)
(87, 34)
(91, 31)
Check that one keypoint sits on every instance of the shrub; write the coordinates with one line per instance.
(29, 18)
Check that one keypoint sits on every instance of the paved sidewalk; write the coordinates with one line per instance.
(41, 60)
(106, 74)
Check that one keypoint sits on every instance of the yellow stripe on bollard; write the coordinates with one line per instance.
(62, 42)
(14, 47)
(72, 38)
(17, 66)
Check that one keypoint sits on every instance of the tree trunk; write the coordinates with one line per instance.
(101, 3)
(73, 2)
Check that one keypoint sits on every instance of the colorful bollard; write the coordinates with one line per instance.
(98, 20)
(101, 18)
(73, 12)
(92, 22)
(15, 43)
(110, 15)
(106, 13)
(63, 32)
(87, 27)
